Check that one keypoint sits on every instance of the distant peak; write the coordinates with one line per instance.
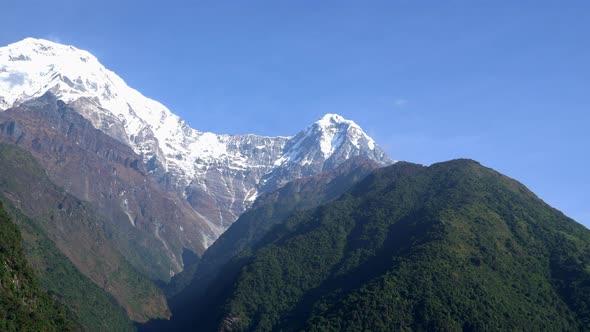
(31, 40)
(334, 131)
(332, 119)
(42, 47)
(31, 43)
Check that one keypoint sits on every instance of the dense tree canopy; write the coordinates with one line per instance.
(24, 306)
(454, 246)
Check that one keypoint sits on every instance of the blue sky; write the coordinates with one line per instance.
(503, 82)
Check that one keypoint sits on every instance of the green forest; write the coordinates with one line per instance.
(450, 247)
(24, 306)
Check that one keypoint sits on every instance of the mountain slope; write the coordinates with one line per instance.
(91, 307)
(454, 246)
(23, 305)
(150, 226)
(219, 175)
(269, 209)
(79, 234)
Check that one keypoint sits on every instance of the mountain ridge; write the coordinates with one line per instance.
(220, 175)
(267, 211)
(454, 246)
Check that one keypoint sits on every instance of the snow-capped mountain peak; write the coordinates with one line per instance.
(31, 67)
(332, 118)
(330, 134)
(335, 130)
(219, 175)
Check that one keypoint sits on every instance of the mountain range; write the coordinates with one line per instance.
(214, 177)
(454, 246)
(116, 215)
(220, 175)
(155, 191)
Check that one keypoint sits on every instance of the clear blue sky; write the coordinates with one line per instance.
(504, 82)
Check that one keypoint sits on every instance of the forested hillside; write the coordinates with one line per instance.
(454, 246)
(92, 307)
(24, 306)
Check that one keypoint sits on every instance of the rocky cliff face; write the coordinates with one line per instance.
(212, 178)
(228, 183)
(80, 233)
(269, 210)
(150, 226)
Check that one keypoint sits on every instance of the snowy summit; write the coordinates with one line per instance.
(224, 171)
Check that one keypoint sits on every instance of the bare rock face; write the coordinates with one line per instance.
(152, 225)
(269, 209)
(77, 230)
(272, 162)
(175, 186)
